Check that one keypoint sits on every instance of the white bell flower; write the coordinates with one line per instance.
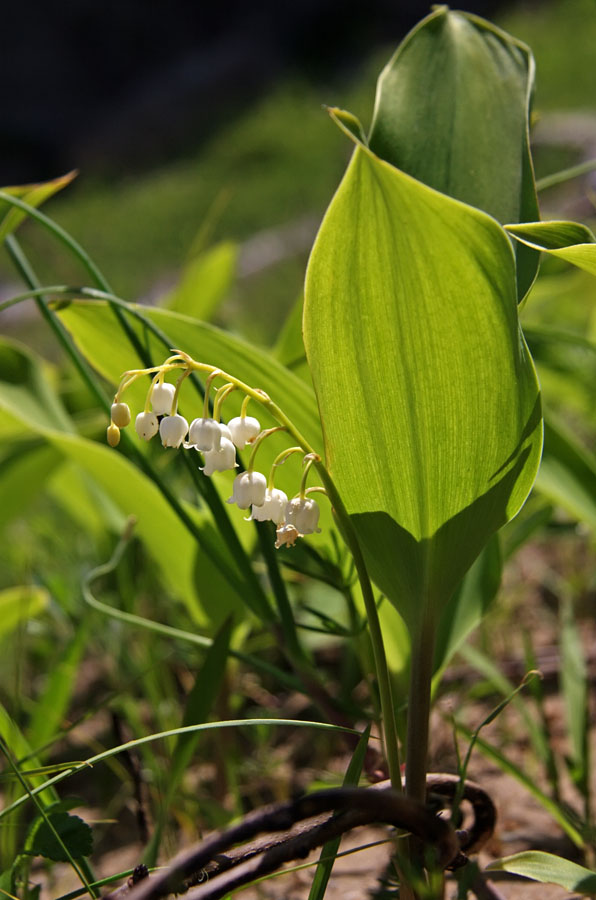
(120, 414)
(249, 490)
(205, 434)
(162, 396)
(225, 431)
(146, 425)
(303, 514)
(273, 508)
(172, 430)
(244, 430)
(220, 460)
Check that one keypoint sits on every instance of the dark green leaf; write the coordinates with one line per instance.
(75, 834)
(452, 110)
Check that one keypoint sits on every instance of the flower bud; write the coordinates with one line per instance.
(273, 508)
(146, 425)
(162, 396)
(120, 414)
(303, 513)
(220, 460)
(244, 429)
(286, 536)
(172, 430)
(249, 489)
(205, 434)
(113, 435)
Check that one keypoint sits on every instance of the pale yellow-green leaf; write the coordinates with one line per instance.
(427, 393)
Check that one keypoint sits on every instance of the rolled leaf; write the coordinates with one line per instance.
(452, 110)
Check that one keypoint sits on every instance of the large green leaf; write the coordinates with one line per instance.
(548, 869)
(427, 393)
(452, 110)
(92, 325)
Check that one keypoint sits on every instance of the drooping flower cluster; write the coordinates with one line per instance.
(218, 443)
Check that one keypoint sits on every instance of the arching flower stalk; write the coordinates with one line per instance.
(218, 442)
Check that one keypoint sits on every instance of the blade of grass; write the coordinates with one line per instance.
(574, 685)
(527, 782)
(174, 732)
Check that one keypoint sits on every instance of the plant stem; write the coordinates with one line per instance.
(421, 672)
(419, 710)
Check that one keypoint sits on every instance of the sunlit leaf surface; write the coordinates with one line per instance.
(427, 392)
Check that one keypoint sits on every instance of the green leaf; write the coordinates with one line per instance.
(178, 556)
(74, 833)
(24, 472)
(91, 324)
(427, 392)
(452, 110)
(574, 686)
(34, 195)
(349, 124)
(566, 240)
(289, 347)
(205, 281)
(46, 720)
(19, 748)
(568, 473)
(549, 869)
(18, 604)
(26, 389)
(469, 604)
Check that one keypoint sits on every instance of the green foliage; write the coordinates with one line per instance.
(18, 604)
(425, 404)
(452, 110)
(426, 329)
(548, 869)
(60, 837)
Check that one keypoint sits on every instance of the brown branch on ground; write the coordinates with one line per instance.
(211, 869)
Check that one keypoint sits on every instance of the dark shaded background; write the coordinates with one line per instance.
(117, 85)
